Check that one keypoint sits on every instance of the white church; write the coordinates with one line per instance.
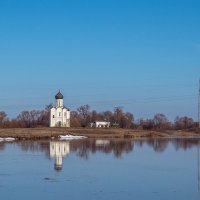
(59, 115)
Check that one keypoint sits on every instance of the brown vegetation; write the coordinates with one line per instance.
(123, 124)
(47, 133)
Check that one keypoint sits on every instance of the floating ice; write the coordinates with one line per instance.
(7, 139)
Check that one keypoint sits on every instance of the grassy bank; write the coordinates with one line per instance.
(46, 133)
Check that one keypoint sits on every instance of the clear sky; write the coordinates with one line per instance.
(139, 54)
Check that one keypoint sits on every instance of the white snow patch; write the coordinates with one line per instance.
(7, 139)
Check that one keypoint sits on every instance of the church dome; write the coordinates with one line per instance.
(59, 95)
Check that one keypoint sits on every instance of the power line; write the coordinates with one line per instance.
(115, 102)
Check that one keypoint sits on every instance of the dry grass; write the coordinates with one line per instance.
(45, 133)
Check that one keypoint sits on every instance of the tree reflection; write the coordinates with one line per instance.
(34, 146)
(159, 145)
(117, 147)
(2, 146)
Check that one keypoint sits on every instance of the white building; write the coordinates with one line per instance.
(59, 115)
(58, 150)
(100, 124)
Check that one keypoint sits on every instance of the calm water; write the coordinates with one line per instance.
(101, 169)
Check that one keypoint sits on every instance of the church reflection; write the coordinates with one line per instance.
(59, 150)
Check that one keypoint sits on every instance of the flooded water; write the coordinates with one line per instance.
(100, 169)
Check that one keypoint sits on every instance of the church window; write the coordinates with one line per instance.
(53, 116)
(65, 114)
(59, 114)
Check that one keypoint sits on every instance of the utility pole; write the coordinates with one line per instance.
(199, 106)
(198, 169)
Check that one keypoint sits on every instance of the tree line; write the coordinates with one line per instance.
(83, 116)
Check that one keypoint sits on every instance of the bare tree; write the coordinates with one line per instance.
(44, 117)
(75, 119)
(108, 116)
(29, 119)
(118, 113)
(85, 114)
(3, 118)
(95, 116)
(184, 122)
(146, 124)
(126, 120)
(160, 121)
(25, 119)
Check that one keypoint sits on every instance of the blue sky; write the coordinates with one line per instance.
(139, 54)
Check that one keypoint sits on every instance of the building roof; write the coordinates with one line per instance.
(67, 108)
(59, 95)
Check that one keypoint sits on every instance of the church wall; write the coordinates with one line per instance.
(53, 117)
(59, 115)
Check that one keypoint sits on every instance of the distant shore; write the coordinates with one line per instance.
(48, 133)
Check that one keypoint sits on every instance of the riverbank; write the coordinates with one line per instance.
(47, 133)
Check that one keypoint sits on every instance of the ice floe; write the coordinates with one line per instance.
(7, 139)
